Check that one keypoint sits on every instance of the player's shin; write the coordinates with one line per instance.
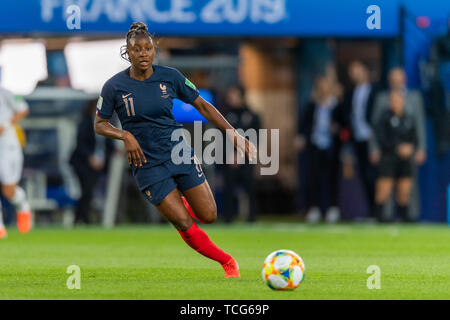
(2, 226)
(198, 240)
(20, 201)
(1, 216)
(22, 206)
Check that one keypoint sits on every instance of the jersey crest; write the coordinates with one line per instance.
(163, 88)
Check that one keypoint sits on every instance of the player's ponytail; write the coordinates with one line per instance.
(137, 28)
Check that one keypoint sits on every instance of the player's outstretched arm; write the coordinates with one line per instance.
(132, 147)
(18, 116)
(243, 145)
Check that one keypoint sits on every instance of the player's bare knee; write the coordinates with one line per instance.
(182, 224)
(210, 219)
(403, 199)
(211, 215)
(8, 192)
(381, 197)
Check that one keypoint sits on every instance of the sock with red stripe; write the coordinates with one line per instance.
(198, 240)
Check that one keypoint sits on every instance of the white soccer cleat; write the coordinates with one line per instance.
(313, 215)
(333, 215)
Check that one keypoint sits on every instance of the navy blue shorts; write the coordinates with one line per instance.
(392, 166)
(169, 176)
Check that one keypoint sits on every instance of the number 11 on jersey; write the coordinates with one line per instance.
(129, 104)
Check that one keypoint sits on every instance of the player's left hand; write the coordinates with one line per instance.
(2, 129)
(420, 157)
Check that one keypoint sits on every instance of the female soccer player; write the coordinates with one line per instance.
(12, 110)
(141, 95)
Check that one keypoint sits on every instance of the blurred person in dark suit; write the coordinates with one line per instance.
(89, 160)
(358, 107)
(236, 175)
(318, 133)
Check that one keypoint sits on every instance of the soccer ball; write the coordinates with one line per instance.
(283, 270)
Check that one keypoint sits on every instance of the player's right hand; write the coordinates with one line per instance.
(133, 149)
(374, 157)
(405, 150)
(96, 163)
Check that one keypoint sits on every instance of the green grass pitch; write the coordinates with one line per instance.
(152, 262)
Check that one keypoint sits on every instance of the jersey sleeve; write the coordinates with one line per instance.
(106, 103)
(185, 90)
(16, 103)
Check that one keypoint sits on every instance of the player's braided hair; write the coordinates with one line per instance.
(137, 28)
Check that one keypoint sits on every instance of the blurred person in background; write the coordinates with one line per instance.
(336, 86)
(89, 160)
(395, 134)
(319, 136)
(414, 106)
(12, 111)
(440, 56)
(358, 105)
(239, 175)
(440, 90)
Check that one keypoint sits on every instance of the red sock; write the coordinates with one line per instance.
(198, 240)
(189, 209)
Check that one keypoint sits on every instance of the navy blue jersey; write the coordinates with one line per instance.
(144, 108)
(392, 130)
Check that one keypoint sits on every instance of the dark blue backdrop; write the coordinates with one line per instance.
(215, 17)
